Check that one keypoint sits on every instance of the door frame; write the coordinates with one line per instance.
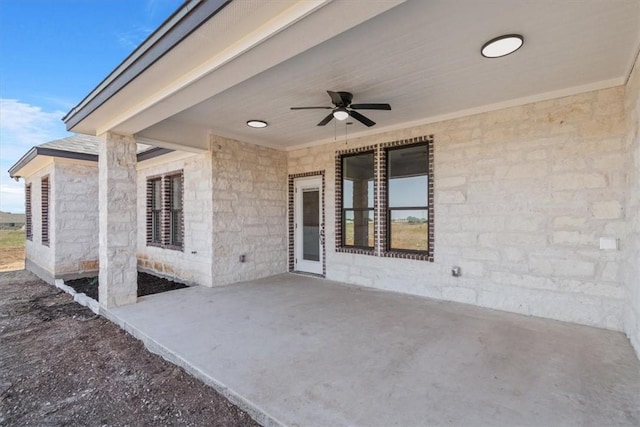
(292, 206)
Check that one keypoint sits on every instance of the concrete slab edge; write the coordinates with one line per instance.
(256, 412)
(80, 298)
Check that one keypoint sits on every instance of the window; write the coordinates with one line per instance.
(154, 234)
(175, 210)
(407, 198)
(384, 199)
(165, 221)
(358, 212)
(45, 210)
(27, 212)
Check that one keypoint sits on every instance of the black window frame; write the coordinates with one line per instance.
(343, 210)
(172, 233)
(155, 212)
(45, 220)
(388, 209)
(28, 213)
(160, 219)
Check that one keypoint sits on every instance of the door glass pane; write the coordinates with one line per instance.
(409, 229)
(311, 225)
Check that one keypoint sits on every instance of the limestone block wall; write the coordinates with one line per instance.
(39, 258)
(632, 244)
(76, 219)
(522, 197)
(193, 264)
(249, 211)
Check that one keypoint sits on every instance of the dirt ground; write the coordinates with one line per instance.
(11, 259)
(147, 285)
(62, 365)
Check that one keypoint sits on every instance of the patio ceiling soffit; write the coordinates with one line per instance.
(278, 37)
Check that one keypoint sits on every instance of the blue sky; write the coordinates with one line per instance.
(52, 54)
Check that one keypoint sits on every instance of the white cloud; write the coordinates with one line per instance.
(12, 196)
(26, 124)
(22, 126)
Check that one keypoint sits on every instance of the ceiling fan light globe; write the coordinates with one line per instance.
(340, 114)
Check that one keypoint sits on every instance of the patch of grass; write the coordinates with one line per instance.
(12, 238)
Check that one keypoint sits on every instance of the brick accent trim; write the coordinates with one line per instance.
(27, 210)
(380, 199)
(45, 188)
(338, 193)
(383, 158)
(291, 219)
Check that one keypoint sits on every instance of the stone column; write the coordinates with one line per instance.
(117, 205)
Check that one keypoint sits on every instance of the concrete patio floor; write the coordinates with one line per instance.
(302, 351)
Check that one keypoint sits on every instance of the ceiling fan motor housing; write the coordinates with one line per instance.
(343, 109)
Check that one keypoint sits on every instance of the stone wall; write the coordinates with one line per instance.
(40, 259)
(249, 211)
(117, 213)
(191, 265)
(522, 197)
(632, 244)
(76, 219)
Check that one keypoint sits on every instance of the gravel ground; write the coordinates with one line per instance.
(62, 365)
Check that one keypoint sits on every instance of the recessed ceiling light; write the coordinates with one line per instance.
(257, 124)
(502, 46)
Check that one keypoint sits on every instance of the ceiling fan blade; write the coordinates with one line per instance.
(311, 108)
(326, 120)
(336, 98)
(362, 119)
(371, 107)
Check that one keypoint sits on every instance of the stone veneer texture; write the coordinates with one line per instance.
(522, 197)
(193, 263)
(631, 245)
(76, 218)
(117, 219)
(35, 252)
(249, 211)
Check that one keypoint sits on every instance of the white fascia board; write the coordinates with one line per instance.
(169, 145)
(250, 41)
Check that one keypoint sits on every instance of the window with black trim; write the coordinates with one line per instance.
(407, 175)
(44, 187)
(165, 219)
(384, 199)
(175, 210)
(358, 209)
(154, 229)
(27, 211)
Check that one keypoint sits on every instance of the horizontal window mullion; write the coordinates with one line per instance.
(408, 208)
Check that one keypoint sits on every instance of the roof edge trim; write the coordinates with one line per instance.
(52, 152)
(30, 155)
(189, 17)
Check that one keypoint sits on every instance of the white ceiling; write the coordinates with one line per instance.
(423, 58)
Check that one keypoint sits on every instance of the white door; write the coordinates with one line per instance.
(309, 229)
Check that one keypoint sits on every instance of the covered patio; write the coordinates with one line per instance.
(297, 350)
